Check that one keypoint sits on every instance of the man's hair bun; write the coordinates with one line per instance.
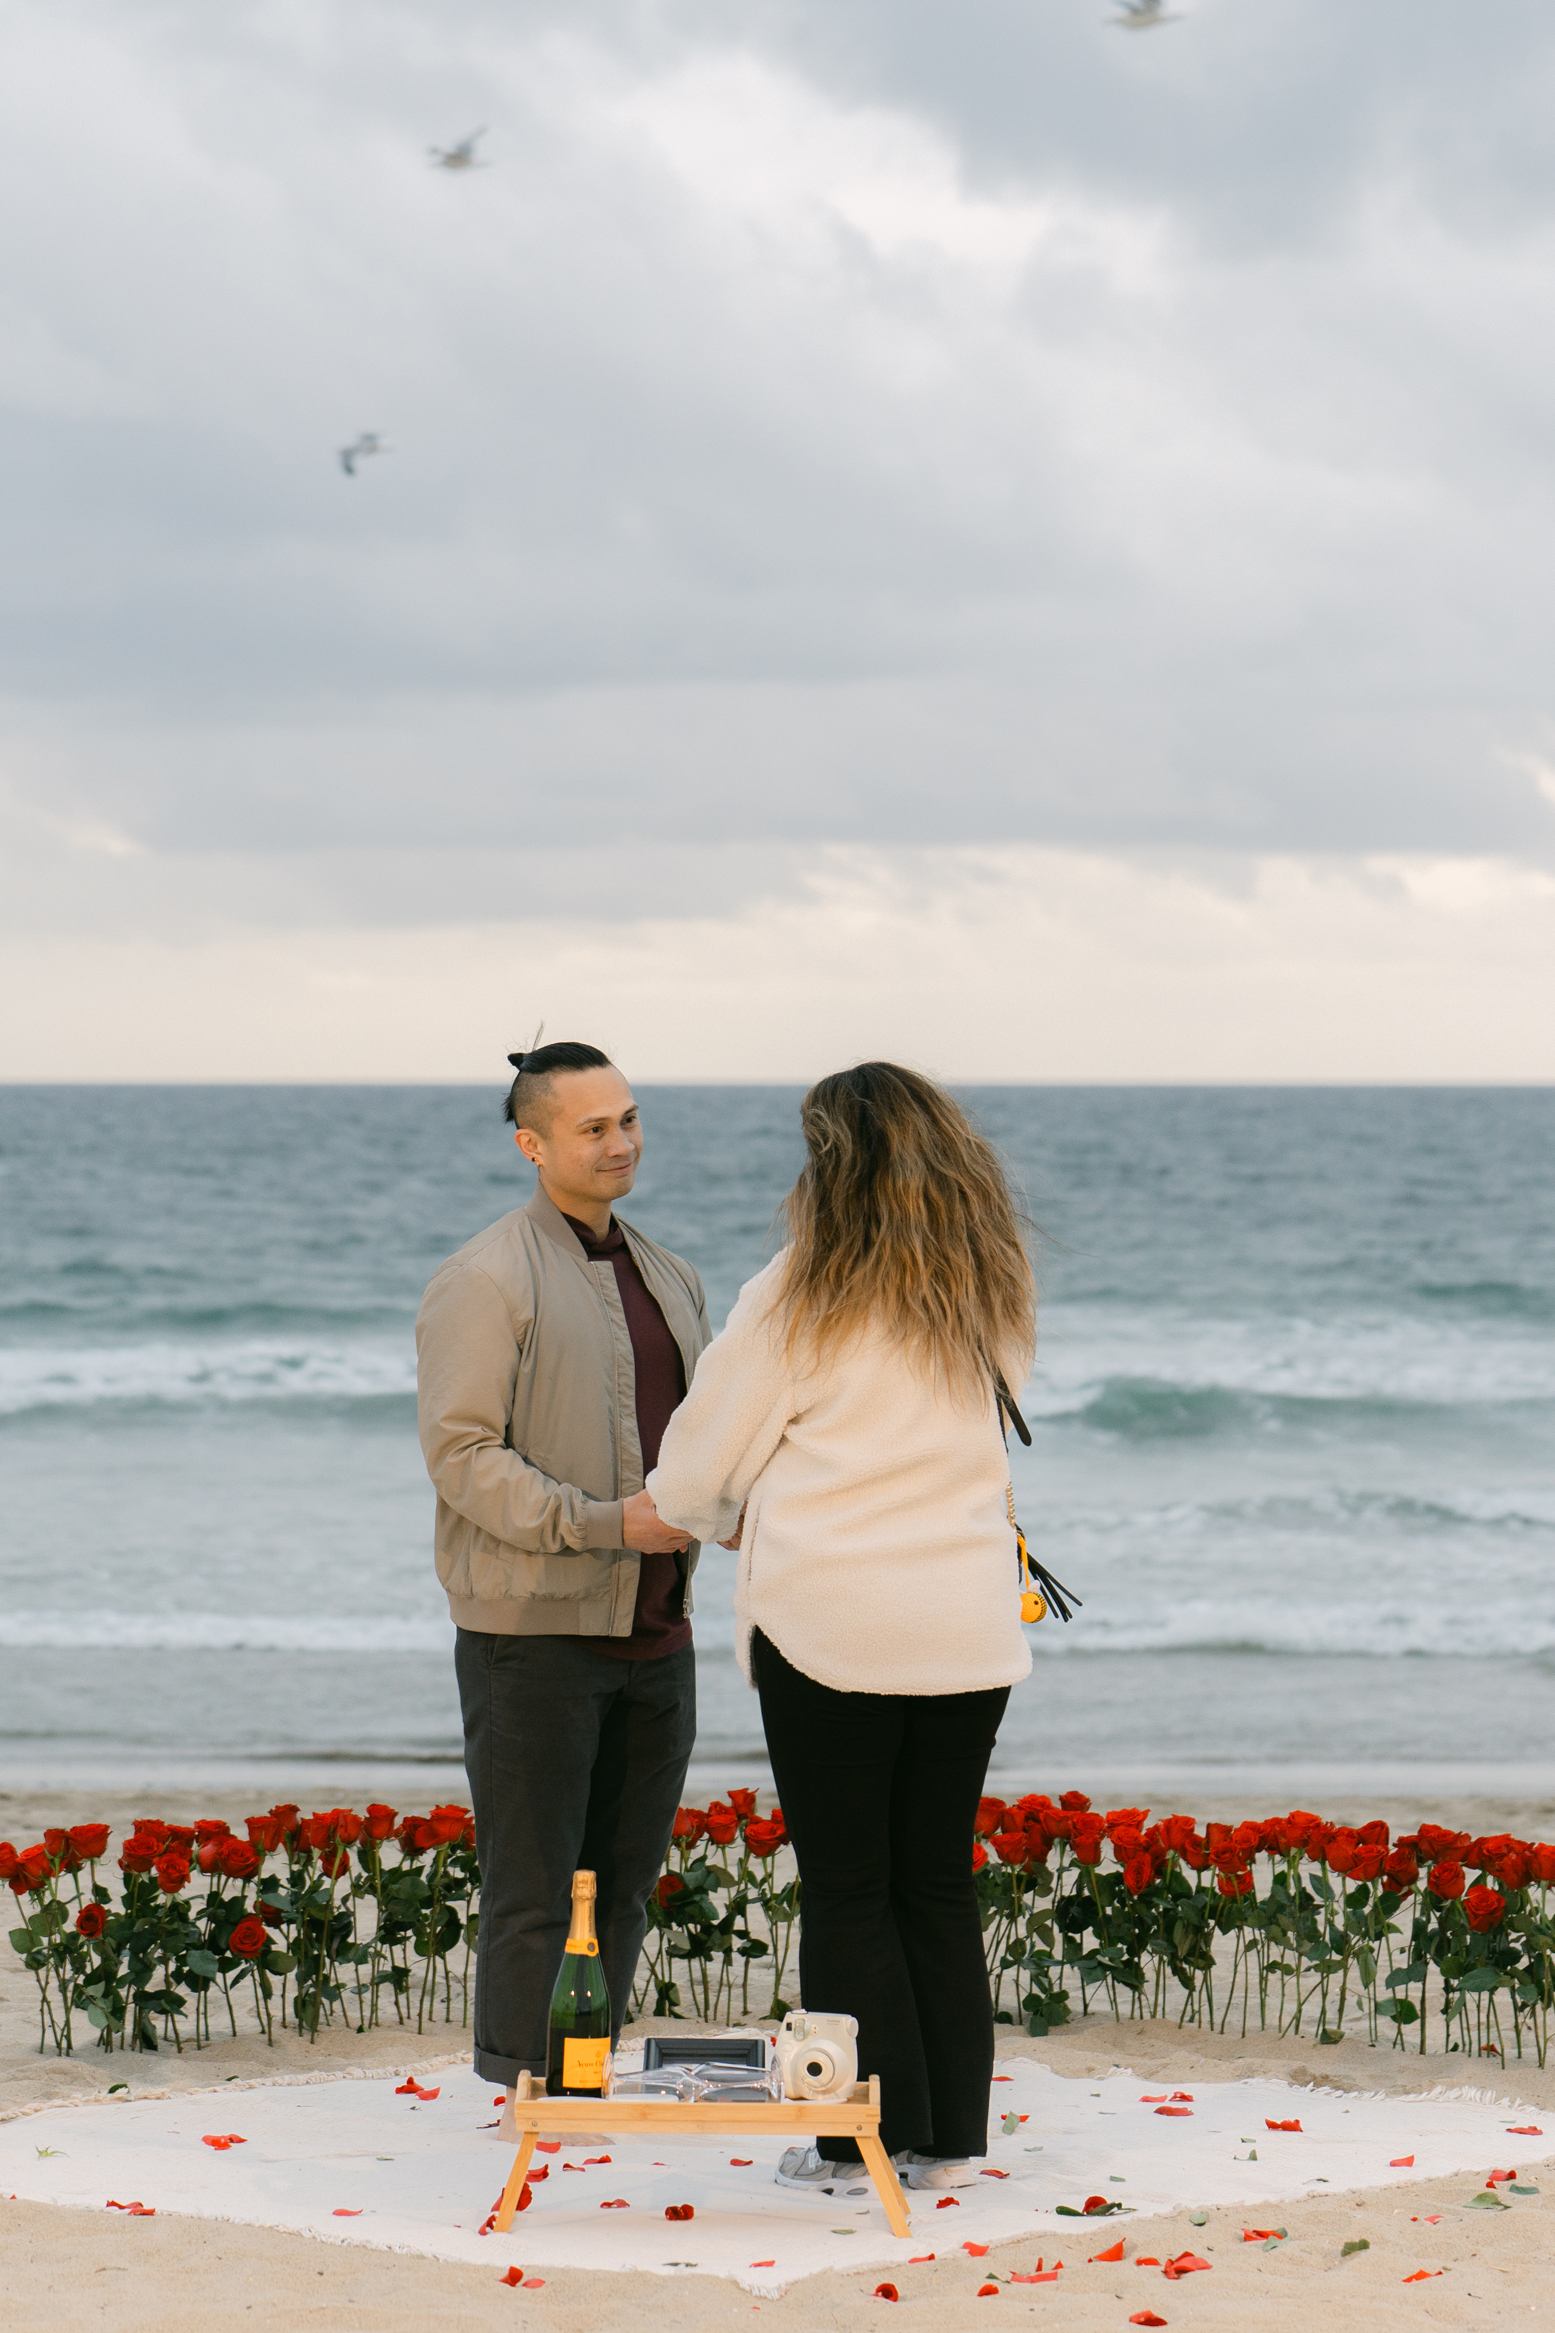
(529, 1094)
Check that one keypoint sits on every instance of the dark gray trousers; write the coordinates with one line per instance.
(576, 1762)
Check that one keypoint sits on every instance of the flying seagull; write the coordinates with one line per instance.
(1140, 15)
(368, 442)
(460, 157)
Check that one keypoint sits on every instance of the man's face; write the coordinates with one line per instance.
(591, 1147)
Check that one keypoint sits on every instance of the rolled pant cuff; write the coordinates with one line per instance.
(491, 2068)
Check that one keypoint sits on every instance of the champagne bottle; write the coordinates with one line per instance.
(577, 2057)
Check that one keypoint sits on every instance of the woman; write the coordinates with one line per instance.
(844, 1433)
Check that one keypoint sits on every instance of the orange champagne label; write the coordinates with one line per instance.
(585, 1944)
(585, 2063)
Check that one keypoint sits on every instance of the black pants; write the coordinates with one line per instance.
(576, 1762)
(879, 1791)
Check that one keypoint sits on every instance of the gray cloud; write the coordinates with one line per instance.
(861, 420)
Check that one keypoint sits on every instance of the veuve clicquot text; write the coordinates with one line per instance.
(577, 2058)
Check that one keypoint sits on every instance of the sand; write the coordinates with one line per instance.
(62, 2267)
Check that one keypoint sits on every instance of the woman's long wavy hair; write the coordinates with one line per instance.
(903, 1219)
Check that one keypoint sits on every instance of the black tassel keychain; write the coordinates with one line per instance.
(1040, 1592)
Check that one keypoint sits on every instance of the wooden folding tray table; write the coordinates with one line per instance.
(855, 2117)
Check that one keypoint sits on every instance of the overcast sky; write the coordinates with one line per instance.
(965, 530)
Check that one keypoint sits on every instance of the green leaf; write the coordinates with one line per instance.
(201, 1963)
(1356, 2244)
(1482, 1980)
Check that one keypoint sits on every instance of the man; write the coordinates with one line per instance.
(551, 1352)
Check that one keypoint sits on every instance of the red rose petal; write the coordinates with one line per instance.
(1043, 2276)
(1525, 2130)
(1494, 2178)
(596, 2158)
(548, 2146)
(1177, 2110)
(763, 2264)
(994, 2175)
(501, 2098)
(426, 2096)
(1421, 2274)
(1184, 2265)
(617, 2203)
(221, 2145)
(344, 2212)
(1147, 2260)
(984, 2290)
(1258, 2235)
(680, 2211)
(976, 2250)
(1268, 2125)
(740, 2162)
(544, 2172)
(1113, 2252)
(887, 2292)
(1146, 2317)
(1152, 2097)
(1401, 2162)
(1093, 2204)
(408, 2089)
(513, 2276)
(534, 2283)
(919, 2258)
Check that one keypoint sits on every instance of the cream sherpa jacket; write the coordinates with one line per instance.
(877, 1553)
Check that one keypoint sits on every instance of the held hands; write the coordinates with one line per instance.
(642, 1529)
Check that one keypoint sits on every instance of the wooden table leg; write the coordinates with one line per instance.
(515, 2186)
(887, 2186)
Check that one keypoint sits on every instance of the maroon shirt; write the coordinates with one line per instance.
(659, 1624)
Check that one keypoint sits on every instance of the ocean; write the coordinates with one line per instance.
(1292, 1428)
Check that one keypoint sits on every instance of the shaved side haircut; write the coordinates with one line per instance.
(531, 1101)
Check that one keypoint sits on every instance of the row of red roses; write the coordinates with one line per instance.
(1024, 1833)
(173, 1852)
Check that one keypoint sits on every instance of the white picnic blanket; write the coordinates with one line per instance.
(367, 2162)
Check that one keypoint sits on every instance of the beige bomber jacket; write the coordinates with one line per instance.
(526, 1396)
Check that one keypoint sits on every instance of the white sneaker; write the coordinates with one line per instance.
(807, 2169)
(935, 2170)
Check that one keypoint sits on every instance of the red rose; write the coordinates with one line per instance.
(172, 1873)
(1194, 1851)
(1235, 1883)
(1074, 1802)
(1087, 1835)
(989, 1817)
(1341, 1850)
(271, 1914)
(1484, 1908)
(1299, 1827)
(1369, 1861)
(670, 1886)
(416, 1835)
(1012, 1847)
(1374, 1834)
(447, 1824)
(743, 1803)
(89, 1840)
(265, 1832)
(1512, 1868)
(91, 1920)
(1138, 1873)
(211, 1829)
(1401, 1871)
(1541, 1864)
(722, 1823)
(979, 1855)
(179, 1836)
(1127, 1818)
(380, 1821)
(765, 1838)
(235, 1859)
(10, 1861)
(1446, 1880)
(35, 1868)
(138, 1854)
(61, 1853)
(690, 1823)
(1175, 1832)
(1434, 1845)
(248, 1938)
